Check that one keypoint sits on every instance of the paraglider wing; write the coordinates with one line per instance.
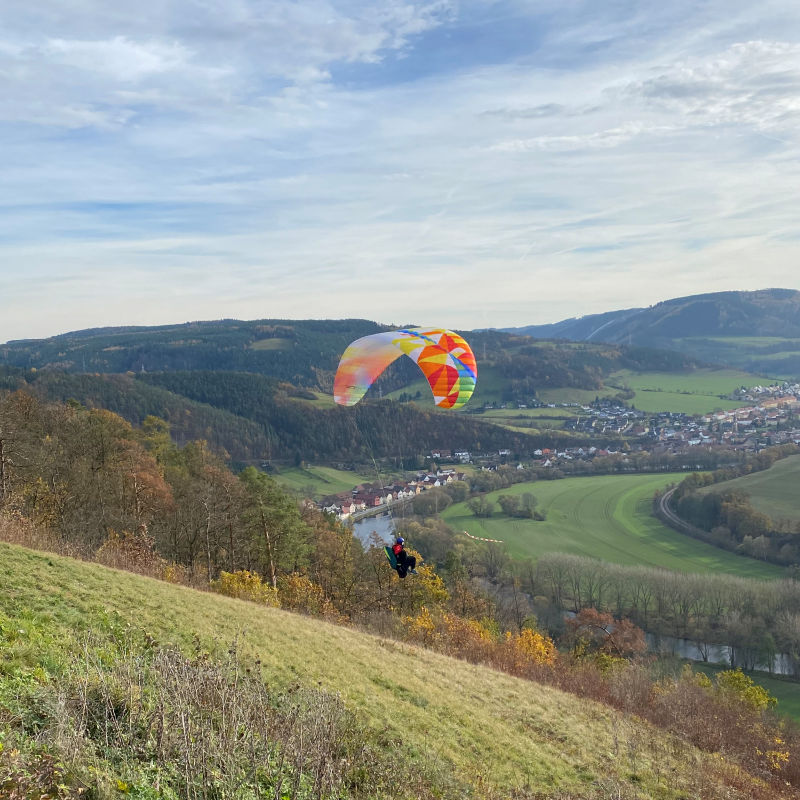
(444, 357)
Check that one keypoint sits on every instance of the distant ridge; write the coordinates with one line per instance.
(709, 326)
(766, 312)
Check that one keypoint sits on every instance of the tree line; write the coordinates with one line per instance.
(726, 518)
(756, 619)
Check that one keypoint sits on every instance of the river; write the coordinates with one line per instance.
(383, 525)
(782, 664)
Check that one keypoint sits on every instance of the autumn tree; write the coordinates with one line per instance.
(273, 524)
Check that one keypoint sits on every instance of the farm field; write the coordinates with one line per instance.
(572, 395)
(607, 517)
(696, 392)
(778, 355)
(527, 419)
(318, 482)
(773, 491)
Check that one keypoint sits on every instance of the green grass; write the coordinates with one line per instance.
(319, 400)
(318, 482)
(491, 730)
(572, 395)
(696, 392)
(607, 517)
(529, 420)
(773, 491)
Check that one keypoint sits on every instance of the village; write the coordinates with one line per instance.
(772, 418)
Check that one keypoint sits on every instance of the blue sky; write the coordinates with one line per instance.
(466, 164)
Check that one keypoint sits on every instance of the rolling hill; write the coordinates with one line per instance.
(757, 331)
(771, 491)
(459, 729)
(261, 390)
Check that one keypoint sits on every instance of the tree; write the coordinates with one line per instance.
(431, 502)
(481, 506)
(274, 525)
(592, 631)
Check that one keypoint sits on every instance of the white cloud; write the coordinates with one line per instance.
(754, 83)
(118, 58)
(325, 159)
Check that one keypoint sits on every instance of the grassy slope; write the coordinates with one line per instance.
(607, 517)
(743, 350)
(772, 491)
(490, 727)
(696, 392)
(321, 481)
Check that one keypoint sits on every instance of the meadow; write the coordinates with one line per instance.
(481, 731)
(773, 491)
(697, 392)
(607, 517)
(317, 481)
(778, 355)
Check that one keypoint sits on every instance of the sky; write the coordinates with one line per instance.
(464, 164)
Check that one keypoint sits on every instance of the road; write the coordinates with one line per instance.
(669, 516)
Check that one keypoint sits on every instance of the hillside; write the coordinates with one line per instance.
(306, 353)
(757, 331)
(772, 491)
(606, 517)
(262, 390)
(459, 729)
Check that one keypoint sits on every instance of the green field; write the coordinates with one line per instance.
(773, 491)
(607, 517)
(317, 482)
(569, 394)
(483, 733)
(697, 392)
(744, 350)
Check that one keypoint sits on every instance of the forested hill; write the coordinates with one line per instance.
(306, 352)
(262, 390)
(250, 418)
(290, 350)
(718, 327)
(770, 312)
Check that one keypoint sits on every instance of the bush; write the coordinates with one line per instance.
(297, 592)
(733, 684)
(246, 585)
(130, 551)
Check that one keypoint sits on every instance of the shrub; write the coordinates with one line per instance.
(297, 592)
(245, 585)
(735, 685)
(130, 551)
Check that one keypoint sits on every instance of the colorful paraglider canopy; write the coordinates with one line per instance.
(444, 357)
